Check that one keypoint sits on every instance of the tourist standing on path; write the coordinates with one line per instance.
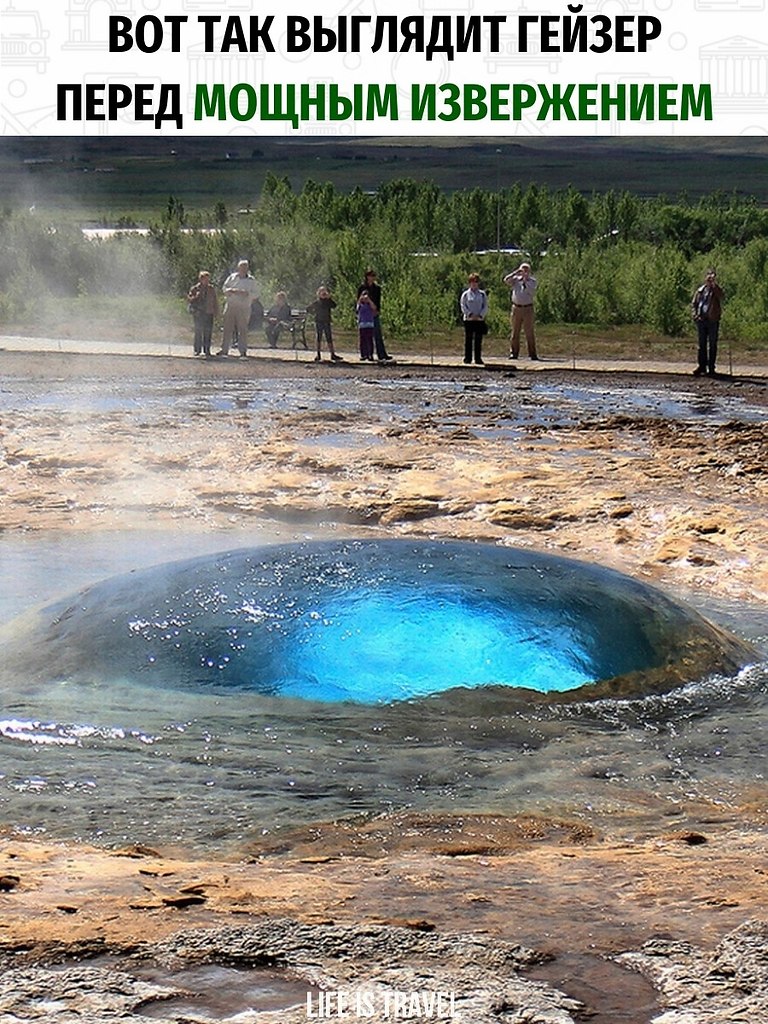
(523, 285)
(371, 286)
(474, 309)
(366, 319)
(240, 291)
(204, 305)
(321, 310)
(707, 308)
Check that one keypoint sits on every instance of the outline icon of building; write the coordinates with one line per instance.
(737, 70)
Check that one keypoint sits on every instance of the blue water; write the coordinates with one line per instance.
(380, 646)
(538, 402)
(115, 761)
(136, 751)
(366, 621)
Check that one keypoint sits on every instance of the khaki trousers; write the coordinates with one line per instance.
(236, 325)
(522, 319)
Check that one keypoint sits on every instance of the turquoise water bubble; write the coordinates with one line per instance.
(372, 622)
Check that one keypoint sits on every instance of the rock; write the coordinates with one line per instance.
(182, 902)
(726, 986)
(416, 924)
(623, 536)
(480, 973)
(689, 838)
(708, 526)
(621, 511)
(514, 516)
(137, 850)
(410, 509)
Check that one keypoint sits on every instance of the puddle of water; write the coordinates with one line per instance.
(210, 989)
(610, 994)
(219, 991)
(340, 441)
(681, 407)
(542, 403)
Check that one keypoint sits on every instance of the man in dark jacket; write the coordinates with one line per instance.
(707, 308)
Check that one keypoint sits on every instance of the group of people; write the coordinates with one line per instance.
(241, 294)
(474, 310)
(706, 309)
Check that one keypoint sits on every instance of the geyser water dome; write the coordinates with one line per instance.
(373, 622)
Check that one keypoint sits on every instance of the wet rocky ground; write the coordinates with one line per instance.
(659, 476)
(281, 970)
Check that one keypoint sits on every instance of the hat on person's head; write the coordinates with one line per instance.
(242, 263)
(524, 266)
(370, 272)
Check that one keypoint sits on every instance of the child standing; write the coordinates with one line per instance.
(321, 308)
(366, 318)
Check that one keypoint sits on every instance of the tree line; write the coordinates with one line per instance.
(606, 259)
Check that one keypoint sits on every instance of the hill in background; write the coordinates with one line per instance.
(76, 176)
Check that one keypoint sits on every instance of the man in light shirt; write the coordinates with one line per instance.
(240, 291)
(523, 285)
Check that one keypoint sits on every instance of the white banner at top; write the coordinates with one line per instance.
(437, 67)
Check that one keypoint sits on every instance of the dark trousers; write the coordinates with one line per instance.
(474, 330)
(709, 331)
(378, 339)
(323, 330)
(272, 331)
(203, 332)
(366, 342)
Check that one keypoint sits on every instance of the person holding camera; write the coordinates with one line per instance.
(706, 308)
(373, 289)
(366, 319)
(523, 285)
